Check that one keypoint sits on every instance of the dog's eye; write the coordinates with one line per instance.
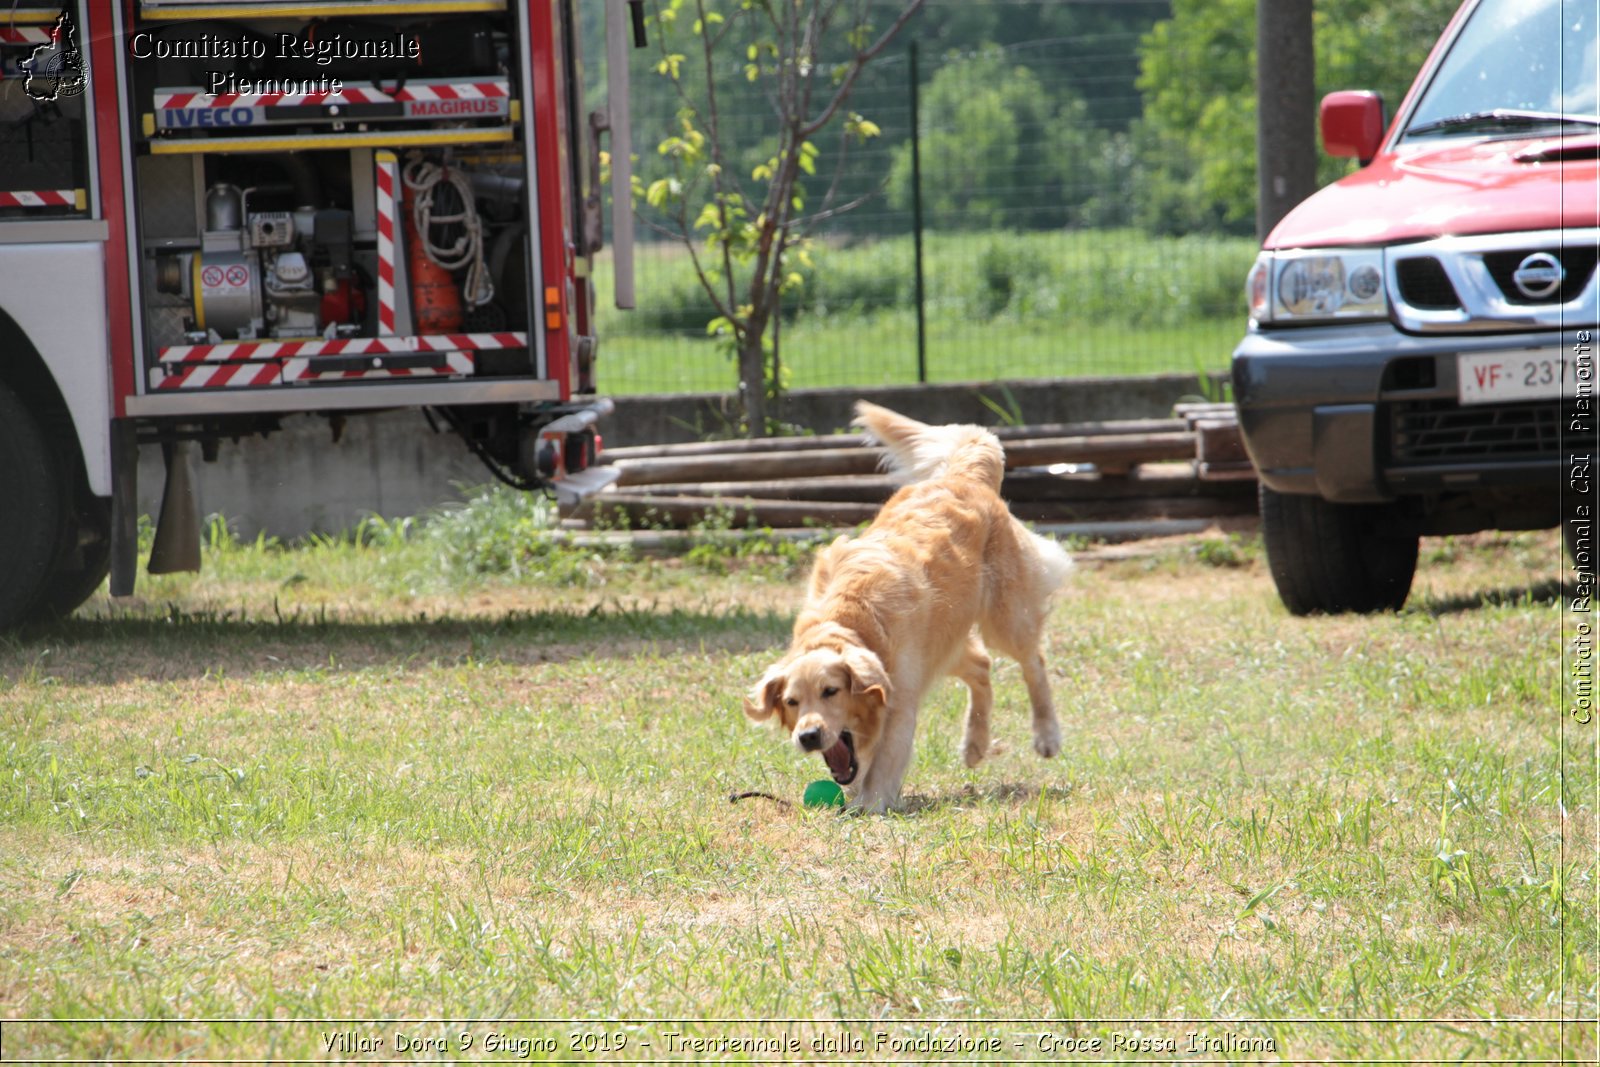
(830, 691)
(792, 702)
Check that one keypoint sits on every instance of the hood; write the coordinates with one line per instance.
(1449, 186)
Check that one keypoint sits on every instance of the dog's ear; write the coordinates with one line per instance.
(762, 703)
(867, 676)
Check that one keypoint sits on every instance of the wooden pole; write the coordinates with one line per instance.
(745, 446)
(1116, 451)
(1286, 110)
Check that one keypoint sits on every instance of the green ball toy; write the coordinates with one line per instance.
(824, 793)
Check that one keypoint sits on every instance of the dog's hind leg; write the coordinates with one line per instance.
(973, 670)
(1019, 636)
(1046, 728)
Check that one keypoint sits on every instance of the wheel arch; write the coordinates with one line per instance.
(23, 369)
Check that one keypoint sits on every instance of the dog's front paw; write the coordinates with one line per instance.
(870, 804)
(975, 752)
(1047, 742)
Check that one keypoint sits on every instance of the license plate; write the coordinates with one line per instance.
(1524, 374)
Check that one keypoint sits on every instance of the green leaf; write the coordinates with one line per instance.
(660, 191)
(860, 128)
(709, 218)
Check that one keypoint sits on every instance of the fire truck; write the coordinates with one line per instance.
(216, 215)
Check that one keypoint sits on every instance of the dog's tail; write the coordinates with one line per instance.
(918, 452)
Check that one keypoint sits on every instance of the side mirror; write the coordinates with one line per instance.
(1352, 124)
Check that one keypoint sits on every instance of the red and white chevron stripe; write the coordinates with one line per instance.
(218, 375)
(193, 99)
(247, 351)
(454, 90)
(388, 182)
(443, 342)
(306, 370)
(26, 35)
(244, 351)
(39, 198)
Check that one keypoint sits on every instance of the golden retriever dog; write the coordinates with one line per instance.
(892, 611)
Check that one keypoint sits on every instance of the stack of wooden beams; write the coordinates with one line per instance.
(1192, 466)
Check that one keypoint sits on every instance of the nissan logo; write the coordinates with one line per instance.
(1539, 275)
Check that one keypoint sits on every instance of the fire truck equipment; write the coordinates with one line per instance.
(185, 267)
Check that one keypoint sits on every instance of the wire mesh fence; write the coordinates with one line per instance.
(1008, 229)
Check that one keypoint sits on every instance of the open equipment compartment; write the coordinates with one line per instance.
(284, 156)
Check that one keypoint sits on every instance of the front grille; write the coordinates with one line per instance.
(1425, 285)
(1578, 263)
(1464, 284)
(1442, 431)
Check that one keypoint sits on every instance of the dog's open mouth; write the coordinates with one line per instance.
(842, 759)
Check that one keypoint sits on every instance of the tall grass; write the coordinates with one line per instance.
(1067, 303)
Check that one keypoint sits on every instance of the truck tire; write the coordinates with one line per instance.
(70, 584)
(32, 499)
(1335, 558)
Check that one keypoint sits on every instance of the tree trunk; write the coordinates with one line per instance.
(753, 384)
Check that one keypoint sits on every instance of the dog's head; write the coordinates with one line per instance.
(831, 701)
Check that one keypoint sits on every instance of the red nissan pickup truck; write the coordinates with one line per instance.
(1420, 357)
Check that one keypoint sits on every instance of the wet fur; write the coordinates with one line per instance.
(889, 613)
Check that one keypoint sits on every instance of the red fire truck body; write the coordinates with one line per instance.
(217, 214)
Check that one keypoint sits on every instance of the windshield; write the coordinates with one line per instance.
(1536, 57)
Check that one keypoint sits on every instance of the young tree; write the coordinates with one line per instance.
(744, 218)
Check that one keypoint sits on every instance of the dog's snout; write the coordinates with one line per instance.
(811, 739)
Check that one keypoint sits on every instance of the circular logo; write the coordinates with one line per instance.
(237, 275)
(211, 277)
(1539, 275)
(66, 70)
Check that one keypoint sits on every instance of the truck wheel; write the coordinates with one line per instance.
(1335, 558)
(68, 586)
(31, 502)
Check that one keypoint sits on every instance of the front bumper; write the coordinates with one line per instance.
(1364, 413)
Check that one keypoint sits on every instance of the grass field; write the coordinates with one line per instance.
(1069, 303)
(880, 349)
(475, 775)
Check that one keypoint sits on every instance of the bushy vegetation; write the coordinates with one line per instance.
(1001, 148)
(1192, 164)
(1102, 114)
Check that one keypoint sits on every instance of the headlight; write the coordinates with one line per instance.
(1320, 286)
